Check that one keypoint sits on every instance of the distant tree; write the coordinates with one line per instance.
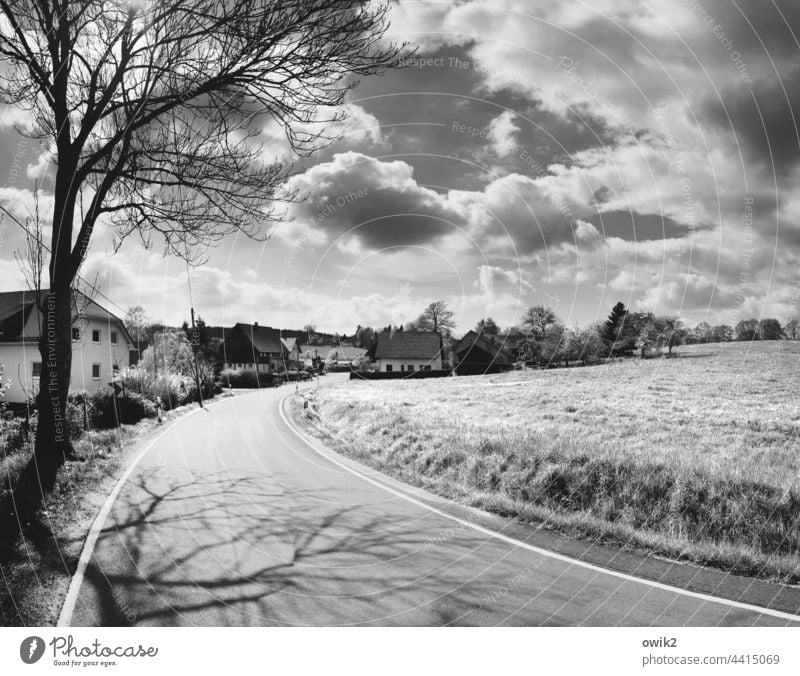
(770, 329)
(487, 327)
(137, 321)
(669, 332)
(537, 320)
(792, 329)
(554, 346)
(586, 344)
(437, 317)
(612, 324)
(747, 329)
(703, 333)
(365, 336)
(647, 335)
(171, 352)
(722, 333)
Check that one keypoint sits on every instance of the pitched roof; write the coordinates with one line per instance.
(263, 338)
(16, 306)
(408, 345)
(473, 339)
(289, 343)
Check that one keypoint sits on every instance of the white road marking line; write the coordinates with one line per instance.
(525, 545)
(68, 608)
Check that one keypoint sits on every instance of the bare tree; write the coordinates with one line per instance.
(152, 110)
(436, 317)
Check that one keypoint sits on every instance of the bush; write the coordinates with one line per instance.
(245, 378)
(15, 435)
(173, 389)
(108, 411)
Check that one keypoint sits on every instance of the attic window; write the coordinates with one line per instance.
(113, 338)
(95, 335)
(76, 333)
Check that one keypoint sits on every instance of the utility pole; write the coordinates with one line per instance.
(195, 348)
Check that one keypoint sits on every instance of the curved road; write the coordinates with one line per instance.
(231, 519)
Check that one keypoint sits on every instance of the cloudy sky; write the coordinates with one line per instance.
(548, 151)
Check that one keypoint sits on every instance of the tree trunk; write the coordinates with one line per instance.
(52, 447)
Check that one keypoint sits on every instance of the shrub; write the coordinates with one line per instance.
(108, 411)
(15, 435)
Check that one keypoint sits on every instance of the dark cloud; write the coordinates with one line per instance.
(633, 226)
(380, 204)
(764, 119)
(439, 109)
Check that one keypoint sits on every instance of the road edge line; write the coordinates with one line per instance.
(71, 598)
(330, 456)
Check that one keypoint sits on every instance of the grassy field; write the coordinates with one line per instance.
(694, 457)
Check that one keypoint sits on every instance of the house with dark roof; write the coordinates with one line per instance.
(101, 345)
(408, 351)
(259, 348)
(477, 353)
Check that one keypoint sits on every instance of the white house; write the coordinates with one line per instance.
(408, 351)
(100, 345)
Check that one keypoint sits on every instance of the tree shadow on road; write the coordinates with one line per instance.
(228, 550)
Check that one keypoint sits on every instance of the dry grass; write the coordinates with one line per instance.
(695, 457)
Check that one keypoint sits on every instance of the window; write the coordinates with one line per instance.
(115, 369)
(76, 333)
(411, 368)
(37, 369)
(95, 371)
(95, 335)
(402, 368)
(388, 368)
(427, 367)
(113, 338)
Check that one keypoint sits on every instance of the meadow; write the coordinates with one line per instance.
(693, 457)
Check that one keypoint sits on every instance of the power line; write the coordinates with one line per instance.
(93, 288)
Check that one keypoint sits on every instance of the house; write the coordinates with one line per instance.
(408, 351)
(342, 355)
(259, 348)
(476, 353)
(101, 345)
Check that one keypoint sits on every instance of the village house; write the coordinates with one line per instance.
(101, 345)
(408, 351)
(250, 347)
(476, 353)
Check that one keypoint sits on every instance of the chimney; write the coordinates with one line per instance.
(255, 324)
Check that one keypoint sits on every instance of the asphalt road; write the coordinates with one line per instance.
(231, 519)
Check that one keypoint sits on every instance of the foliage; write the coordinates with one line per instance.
(792, 329)
(770, 329)
(107, 411)
(487, 327)
(747, 329)
(612, 326)
(723, 333)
